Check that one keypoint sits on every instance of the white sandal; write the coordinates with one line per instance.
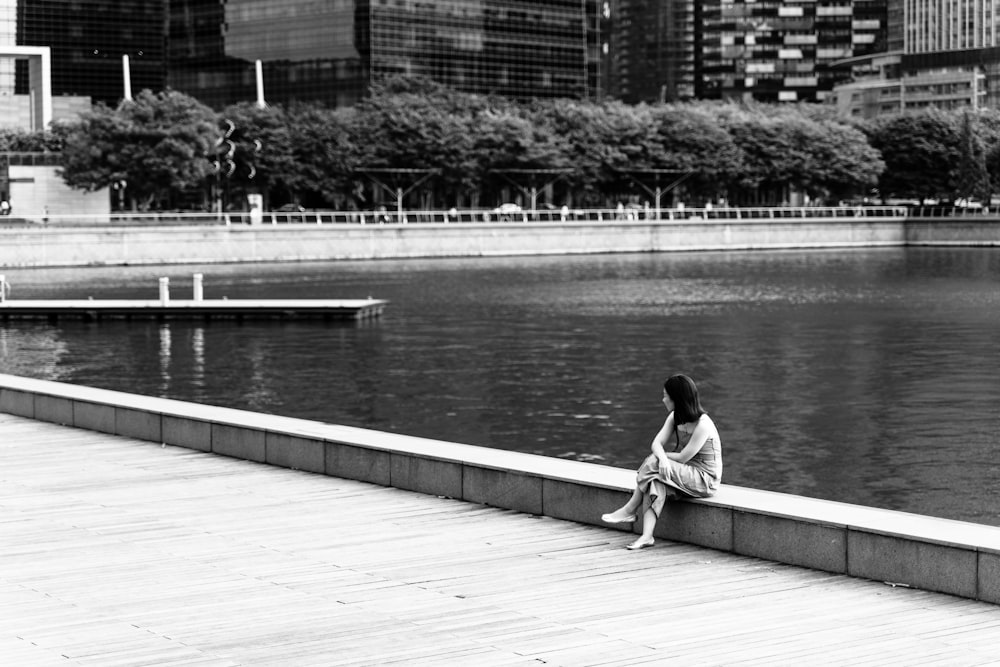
(639, 544)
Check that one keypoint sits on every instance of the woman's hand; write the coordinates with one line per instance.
(664, 465)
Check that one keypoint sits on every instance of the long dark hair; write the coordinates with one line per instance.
(684, 393)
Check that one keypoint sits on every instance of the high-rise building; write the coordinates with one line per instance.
(652, 47)
(332, 51)
(944, 55)
(311, 50)
(87, 39)
(953, 25)
(783, 50)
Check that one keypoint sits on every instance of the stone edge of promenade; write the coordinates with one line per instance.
(114, 246)
(954, 557)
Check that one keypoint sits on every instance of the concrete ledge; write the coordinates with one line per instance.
(431, 476)
(94, 417)
(989, 577)
(893, 558)
(20, 403)
(296, 453)
(100, 245)
(577, 501)
(954, 557)
(189, 433)
(360, 463)
(793, 541)
(502, 488)
(138, 423)
(700, 523)
(240, 443)
(54, 409)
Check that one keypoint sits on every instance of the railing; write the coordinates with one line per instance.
(480, 216)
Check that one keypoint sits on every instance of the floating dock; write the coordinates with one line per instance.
(182, 309)
(196, 308)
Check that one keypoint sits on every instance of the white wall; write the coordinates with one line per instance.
(38, 191)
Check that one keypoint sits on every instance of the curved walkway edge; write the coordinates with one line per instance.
(954, 557)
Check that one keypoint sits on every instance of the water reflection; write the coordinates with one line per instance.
(198, 359)
(32, 351)
(864, 376)
(164, 389)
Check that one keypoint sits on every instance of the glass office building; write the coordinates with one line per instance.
(652, 50)
(307, 49)
(332, 50)
(88, 39)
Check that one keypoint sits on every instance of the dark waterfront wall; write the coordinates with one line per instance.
(90, 246)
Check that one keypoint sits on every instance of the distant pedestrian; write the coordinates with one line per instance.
(692, 467)
(5, 207)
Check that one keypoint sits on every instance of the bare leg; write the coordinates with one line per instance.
(648, 524)
(626, 513)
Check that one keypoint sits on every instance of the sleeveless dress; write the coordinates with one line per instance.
(698, 478)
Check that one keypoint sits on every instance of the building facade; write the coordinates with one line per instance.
(333, 51)
(651, 49)
(328, 51)
(784, 50)
(949, 25)
(904, 85)
(87, 41)
(940, 54)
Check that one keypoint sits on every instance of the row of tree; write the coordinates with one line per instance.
(440, 148)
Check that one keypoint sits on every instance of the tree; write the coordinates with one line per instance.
(772, 147)
(425, 133)
(842, 163)
(23, 141)
(691, 144)
(786, 149)
(510, 148)
(261, 146)
(157, 145)
(601, 143)
(921, 151)
(971, 179)
(323, 155)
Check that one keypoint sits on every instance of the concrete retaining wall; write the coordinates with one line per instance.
(83, 246)
(935, 554)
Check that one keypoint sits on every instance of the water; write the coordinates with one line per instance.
(870, 377)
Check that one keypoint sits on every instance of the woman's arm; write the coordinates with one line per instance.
(698, 439)
(660, 440)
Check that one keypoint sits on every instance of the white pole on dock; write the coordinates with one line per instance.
(198, 295)
(3, 288)
(164, 291)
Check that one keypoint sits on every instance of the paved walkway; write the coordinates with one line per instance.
(121, 552)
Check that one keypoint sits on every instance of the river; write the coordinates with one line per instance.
(865, 376)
